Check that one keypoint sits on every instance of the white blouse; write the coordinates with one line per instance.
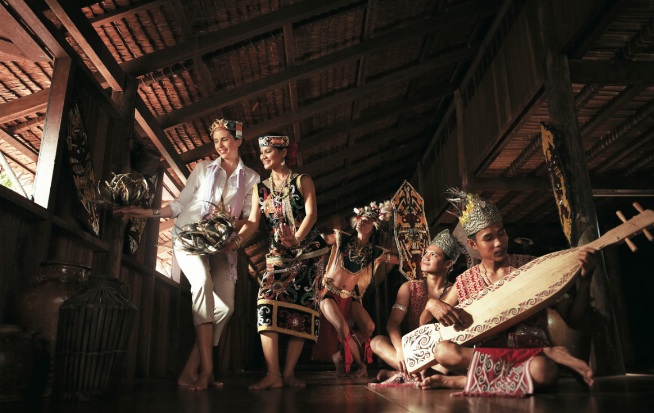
(187, 207)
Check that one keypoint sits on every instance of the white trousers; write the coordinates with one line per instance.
(211, 289)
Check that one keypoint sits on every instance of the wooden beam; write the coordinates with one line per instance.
(363, 182)
(404, 151)
(393, 109)
(401, 76)
(606, 356)
(50, 153)
(643, 115)
(464, 171)
(21, 38)
(29, 152)
(595, 27)
(89, 41)
(10, 52)
(281, 79)
(37, 27)
(601, 187)
(123, 12)
(609, 72)
(400, 135)
(26, 105)
(231, 35)
(502, 184)
(635, 147)
(345, 207)
(613, 106)
(158, 137)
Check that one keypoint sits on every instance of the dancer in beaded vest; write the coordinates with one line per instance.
(346, 326)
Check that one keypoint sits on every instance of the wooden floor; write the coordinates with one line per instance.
(326, 393)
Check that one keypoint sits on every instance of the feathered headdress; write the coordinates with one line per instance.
(375, 212)
(474, 213)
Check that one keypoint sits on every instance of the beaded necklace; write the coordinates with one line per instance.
(358, 256)
(484, 273)
(277, 196)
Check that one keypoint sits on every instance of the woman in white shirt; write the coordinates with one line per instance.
(225, 182)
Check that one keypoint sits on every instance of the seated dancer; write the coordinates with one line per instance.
(437, 261)
(345, 338)
(516, 360)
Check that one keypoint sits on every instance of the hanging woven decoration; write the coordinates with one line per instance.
(125, 189)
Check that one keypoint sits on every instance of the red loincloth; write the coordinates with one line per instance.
(328, 341)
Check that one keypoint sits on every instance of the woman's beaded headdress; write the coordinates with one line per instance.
(274, 141)
(234, 126)
(448, 244)
(475, 213)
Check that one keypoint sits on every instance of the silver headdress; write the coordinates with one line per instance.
(474, 212)
(448, 244)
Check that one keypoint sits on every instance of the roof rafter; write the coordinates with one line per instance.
(344, 97)
(281, 79)
(213, 41)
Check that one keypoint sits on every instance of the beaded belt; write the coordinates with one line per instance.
(341, 293)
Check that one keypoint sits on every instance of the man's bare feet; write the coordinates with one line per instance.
(560, 355)
(218, 384)
(443, 382)
(292, 381)
(361, 372)
(270, 381)
(340, 365)
(383, 374)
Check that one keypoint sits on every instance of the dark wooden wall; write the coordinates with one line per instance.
(32, 234)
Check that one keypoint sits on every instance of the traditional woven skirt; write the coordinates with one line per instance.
(287, 301)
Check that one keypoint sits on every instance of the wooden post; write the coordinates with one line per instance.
(464, 174)
(117, 160)
(606, 355)
(51, 152)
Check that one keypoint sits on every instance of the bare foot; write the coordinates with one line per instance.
(186, 380)
(216, 383)
(270, 381)
(361, 372)
(292, 381)
(340, 365)
(201, 383)
(560, 355)
(383, 374)
(443, 382)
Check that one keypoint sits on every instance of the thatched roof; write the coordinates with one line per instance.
(362, 86)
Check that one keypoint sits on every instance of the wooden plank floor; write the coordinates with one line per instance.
(326, 393)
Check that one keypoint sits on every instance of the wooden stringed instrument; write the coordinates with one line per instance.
(525, 291)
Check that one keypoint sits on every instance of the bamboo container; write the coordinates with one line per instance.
(94, 330)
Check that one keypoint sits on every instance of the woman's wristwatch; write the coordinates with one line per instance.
(156, 212)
